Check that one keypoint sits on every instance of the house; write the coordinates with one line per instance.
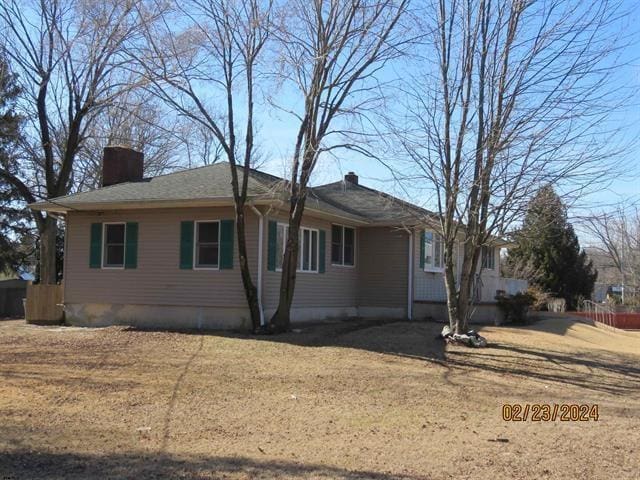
(162, 252)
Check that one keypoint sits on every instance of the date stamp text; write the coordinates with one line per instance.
(547, 412)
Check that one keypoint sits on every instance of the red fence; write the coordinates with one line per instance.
(602, 314)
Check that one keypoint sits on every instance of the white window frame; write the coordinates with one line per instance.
(104, 247)
(195, 245)
(430, 267)
(492, 256)
(300, 247)
(343, 227)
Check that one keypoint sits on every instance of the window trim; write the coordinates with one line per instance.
(430, 267)
(195, 245)
(482, 257)
(300, 242)
(343, 227)
(104, 245)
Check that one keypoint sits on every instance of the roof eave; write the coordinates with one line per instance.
(62, 207)
(334, 216)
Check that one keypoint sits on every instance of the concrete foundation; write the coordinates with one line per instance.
(316, 314)
(392, 313)
(224, 318)
(485, 314)
(157, 316)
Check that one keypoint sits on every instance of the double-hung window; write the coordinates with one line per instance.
(308, 248)
(488, 258)
(207, 244)
(114, 241)
(433, 251)
(342, 245)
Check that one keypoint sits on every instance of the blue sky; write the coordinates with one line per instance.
(278, 131)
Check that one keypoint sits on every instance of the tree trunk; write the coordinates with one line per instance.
(48, 230)
(250, 290)
(281, 320)
(450, 284)
(459, 324)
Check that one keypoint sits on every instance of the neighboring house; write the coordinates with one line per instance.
(13, 289)
(162, 252)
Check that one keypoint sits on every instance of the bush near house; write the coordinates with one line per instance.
(515, 307)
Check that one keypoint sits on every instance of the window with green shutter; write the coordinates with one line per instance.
(131, 245)
(186, 245)
(207, 244)
(312, 247)
(95, 255)
(114, 245)
(226, 244)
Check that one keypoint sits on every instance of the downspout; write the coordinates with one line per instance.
(260, 249)
(410, 280)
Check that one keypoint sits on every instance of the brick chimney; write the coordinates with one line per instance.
(351, 178)
(121, 164)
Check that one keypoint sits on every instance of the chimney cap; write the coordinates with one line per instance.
(351, 177)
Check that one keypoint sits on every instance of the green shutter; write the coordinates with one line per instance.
(271, 252)
(186, 245)
(226, 244)
(321, 251)
(131, 245)
(95, 257)
(422, 249)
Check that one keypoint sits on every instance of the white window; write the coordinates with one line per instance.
(433, 251)
(207, 244)
(308, 248)
(488, 258)
(342, 245)
(113, 249)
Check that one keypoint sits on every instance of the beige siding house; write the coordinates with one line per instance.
(162, 252)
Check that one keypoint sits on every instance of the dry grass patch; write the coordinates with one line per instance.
(341, 401)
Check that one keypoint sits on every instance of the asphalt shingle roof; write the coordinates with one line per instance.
(210, 182)
(213, 182)
(378, 207)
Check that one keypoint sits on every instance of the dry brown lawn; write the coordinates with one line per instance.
(341, 401)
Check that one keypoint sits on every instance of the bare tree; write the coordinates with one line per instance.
(518, 97)
(201, 145)
(331, 55)
(202, 59)
(68, 57)
(618, 235)
(139, 121)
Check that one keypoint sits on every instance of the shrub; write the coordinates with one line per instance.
(515, 307)
(539, 297)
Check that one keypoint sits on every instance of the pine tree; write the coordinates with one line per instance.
(547, 251)
(16, 242)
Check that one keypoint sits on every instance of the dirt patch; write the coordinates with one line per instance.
(342, 401)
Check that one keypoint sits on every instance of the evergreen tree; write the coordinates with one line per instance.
(16, 241)
(547, 251)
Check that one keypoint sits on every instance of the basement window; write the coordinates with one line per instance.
(113, 253)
